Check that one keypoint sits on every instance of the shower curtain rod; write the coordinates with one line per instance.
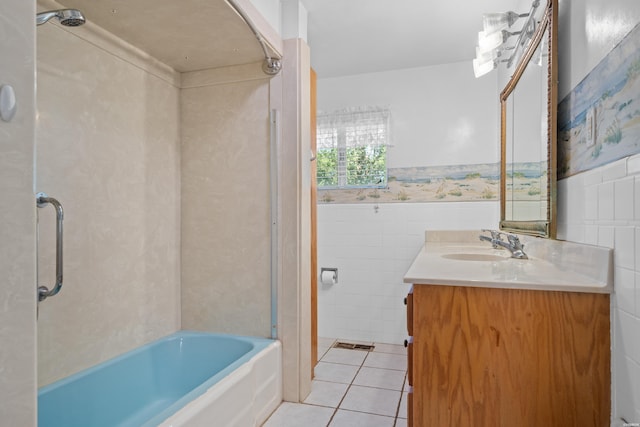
(271, 65)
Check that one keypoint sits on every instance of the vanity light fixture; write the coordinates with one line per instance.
(492, 54)
(488, 61)
(482, 67)
(493, 22)
(491, 41)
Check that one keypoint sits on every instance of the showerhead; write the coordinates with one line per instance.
(67, 17)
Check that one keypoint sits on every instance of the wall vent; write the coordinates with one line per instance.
(351, 346)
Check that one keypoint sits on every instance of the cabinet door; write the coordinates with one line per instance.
(499, 357)
(409, 344)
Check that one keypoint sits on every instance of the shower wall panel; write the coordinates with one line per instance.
(225, 202)
(108, 149)
(17, 221)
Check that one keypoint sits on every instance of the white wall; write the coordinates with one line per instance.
(17, 220)
(602, 206)
(441, 115)
(287, 17)
(372, 249)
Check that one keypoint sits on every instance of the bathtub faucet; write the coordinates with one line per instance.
(513, 243)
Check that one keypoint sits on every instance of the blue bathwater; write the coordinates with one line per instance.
(145, 386)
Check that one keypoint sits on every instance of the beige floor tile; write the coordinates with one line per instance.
(326, 342)
(358, 419)
(322, 351)
(389, 348)
(297, 414)
(386, 361)
(326, 394)
(335, 372)
(346, 357)
(381, 378)
(401, 422)
(402, 411)
(371, 400)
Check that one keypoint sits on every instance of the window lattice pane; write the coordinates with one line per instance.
(352, 148)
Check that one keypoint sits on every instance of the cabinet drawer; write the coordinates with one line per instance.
(410, 361)
(409, 302)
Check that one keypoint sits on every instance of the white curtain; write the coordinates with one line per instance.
(361, 126)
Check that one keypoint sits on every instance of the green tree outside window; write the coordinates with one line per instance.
(352, 149)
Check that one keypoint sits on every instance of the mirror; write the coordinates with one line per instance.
(528, 135)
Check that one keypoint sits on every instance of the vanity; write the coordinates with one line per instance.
(496, 341)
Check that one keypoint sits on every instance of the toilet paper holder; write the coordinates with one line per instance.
(335, 272)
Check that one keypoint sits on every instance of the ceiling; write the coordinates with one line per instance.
(345, 36)
(362, 36)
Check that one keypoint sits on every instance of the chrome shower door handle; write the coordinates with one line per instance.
(43, 200)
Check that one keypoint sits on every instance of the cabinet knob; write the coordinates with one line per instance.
(406, 343)
(405, 300)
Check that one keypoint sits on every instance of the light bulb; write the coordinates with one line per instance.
(500, 21)
(488, 55)
(490, 41)
(480, 68)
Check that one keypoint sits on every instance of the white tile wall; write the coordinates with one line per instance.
(372, 250)
(611, 194)
(612, 218)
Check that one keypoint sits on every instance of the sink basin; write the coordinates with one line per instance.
(474, 257)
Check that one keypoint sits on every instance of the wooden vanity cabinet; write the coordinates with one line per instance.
(503, 358)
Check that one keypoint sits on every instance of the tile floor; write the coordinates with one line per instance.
(351, 388)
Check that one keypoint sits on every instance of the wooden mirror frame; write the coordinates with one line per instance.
(545, 227)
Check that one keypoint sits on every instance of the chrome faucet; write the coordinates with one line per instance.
(513, 243)
(495, 236)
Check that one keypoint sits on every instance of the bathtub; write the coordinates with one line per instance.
(184, 379)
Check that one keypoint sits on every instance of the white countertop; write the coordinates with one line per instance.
(552, 265)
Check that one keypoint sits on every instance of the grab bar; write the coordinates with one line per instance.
(42, 200)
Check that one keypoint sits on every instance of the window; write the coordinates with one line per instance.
(352, 148)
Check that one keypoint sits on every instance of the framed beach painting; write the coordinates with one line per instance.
(599, 121)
